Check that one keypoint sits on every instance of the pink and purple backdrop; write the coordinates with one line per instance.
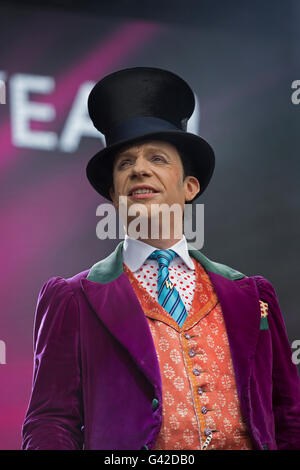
(242, 78)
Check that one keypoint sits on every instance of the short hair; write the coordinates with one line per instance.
(186, 163)
(187, 168)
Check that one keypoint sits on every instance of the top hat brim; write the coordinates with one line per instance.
(190, 146)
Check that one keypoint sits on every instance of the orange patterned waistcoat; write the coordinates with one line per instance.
(198, 382)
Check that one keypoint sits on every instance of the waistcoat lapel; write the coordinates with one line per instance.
(239, 301)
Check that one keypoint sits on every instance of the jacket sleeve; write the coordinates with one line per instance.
(54, 416)
(286, 382)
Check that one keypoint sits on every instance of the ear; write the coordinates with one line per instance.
(192, 187)
(111, 192)
(114, 198)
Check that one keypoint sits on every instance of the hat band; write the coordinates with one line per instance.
(136, 127)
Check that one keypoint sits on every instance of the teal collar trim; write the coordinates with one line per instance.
(111, 268)
(214, 267)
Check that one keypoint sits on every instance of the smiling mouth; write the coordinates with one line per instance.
(143, 195)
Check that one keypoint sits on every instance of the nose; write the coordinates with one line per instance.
(140, 167)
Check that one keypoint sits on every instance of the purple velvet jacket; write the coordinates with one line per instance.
(96, 371)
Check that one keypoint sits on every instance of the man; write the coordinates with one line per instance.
(156, 346)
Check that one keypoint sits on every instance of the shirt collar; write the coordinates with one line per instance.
(135, 252)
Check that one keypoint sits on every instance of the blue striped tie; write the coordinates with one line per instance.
(168, 296)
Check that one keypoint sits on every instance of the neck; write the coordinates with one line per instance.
(160, 236)
(162, 244)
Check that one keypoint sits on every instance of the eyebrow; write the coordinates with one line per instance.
(126, 153)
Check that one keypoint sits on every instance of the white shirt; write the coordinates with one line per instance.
(181, 269)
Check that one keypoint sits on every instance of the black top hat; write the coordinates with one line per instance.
(139, 104)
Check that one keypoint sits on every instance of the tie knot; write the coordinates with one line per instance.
(163, 257)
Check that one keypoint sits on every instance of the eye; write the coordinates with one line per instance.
(123, 163)
(158, 157)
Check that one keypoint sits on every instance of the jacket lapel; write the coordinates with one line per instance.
(110, 294)
(241, 314)
(238, 298)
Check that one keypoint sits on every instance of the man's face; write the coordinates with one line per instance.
(156, 166)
